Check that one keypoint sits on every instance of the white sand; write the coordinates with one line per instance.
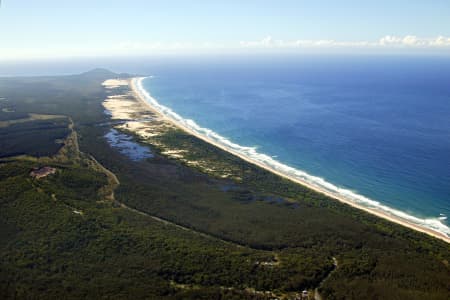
(115, 83)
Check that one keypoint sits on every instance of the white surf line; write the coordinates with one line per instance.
(432, 226)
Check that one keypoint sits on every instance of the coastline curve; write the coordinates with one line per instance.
(431, 226)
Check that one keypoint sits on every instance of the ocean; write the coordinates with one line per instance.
(375, 129)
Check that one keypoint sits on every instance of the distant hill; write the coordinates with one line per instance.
(104, 73)
(99, 72)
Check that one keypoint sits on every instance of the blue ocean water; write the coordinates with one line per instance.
(377, 126)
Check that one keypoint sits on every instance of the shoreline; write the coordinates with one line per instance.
(392, 218)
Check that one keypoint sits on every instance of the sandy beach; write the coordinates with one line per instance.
(145, 105)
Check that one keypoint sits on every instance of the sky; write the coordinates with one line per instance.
(59, 28)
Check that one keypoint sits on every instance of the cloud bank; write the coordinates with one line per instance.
(127, 48)
(409, 41)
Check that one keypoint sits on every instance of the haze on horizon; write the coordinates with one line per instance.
(50, 28)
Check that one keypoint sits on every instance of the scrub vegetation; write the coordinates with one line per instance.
(107, 226)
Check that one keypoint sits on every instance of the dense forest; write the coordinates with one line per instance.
(169, 230)
(35, 137)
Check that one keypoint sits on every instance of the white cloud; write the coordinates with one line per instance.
(441, 41)
(155, 47)
(386, 41)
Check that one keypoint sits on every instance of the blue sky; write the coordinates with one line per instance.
(32, 28)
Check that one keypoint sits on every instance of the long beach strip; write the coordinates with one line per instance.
(135, 85)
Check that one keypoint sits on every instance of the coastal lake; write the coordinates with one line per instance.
(124, 144)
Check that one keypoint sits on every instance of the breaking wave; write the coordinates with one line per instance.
(251, 153)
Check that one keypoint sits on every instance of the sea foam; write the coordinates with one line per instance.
(252, 154)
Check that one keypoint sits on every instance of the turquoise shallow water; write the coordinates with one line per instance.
(373, 126)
